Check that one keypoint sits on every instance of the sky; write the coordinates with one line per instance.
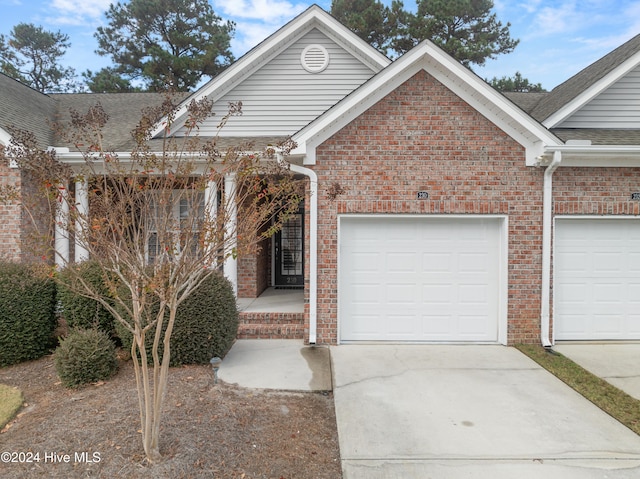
(558, 38)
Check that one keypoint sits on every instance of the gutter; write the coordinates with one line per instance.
(547, 223)
(313, 249)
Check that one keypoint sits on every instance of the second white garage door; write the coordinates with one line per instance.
(420, 279)
(597, 279)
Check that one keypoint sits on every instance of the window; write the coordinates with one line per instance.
(177, 227)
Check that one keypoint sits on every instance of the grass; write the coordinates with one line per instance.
(10, 402)
(613, 401)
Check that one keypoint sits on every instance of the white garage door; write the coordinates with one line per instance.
(419, 278)
(597, 279)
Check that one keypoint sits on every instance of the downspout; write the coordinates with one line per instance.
(547, 223)
(313, 249)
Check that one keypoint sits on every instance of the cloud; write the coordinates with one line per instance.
(269, 11)
(77, 12)
(249, 34)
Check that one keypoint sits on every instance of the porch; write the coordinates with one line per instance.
(275, 314)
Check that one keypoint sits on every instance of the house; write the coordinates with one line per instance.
(438, 209)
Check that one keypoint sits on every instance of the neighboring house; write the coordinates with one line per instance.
(438, 210)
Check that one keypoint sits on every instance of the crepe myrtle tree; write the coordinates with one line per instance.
(153, 226)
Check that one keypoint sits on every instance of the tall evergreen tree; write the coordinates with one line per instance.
(31, 55)
(166, 42)
(516, 83)
(466, 29)
(369, 19)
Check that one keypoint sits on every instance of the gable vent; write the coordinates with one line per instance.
(314, 58)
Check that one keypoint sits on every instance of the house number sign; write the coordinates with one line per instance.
(424, 195)
(635, 196)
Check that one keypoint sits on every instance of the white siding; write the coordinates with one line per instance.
(282, 97)
(616, 107)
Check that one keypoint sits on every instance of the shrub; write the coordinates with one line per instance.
(79, 311)
(27, 313)
(85, 356)
(206, 325)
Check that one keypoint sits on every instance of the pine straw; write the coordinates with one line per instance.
(209, 431)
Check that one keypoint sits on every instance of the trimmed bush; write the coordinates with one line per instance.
(79, 311)
(206, 325)
(27, 313)
(85, 356)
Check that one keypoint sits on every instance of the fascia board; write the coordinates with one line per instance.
(593, 91)
(598, 156)
(464, 83)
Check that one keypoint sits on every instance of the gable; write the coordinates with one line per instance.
(458, 79)
(617, 107)
(418, 122)
(283, 96)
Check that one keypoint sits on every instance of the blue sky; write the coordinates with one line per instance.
(558, 38)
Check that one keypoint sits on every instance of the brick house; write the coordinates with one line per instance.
(438, 209)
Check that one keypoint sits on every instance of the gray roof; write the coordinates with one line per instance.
(30, 110)
(570, 89)
(27, 109)
(526, 101)
(124, 111)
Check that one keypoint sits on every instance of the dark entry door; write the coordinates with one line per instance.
(289, 252)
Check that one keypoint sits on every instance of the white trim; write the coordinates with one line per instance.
(593, 91)
(598, 155)
(503, 267)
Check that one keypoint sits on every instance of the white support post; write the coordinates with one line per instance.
(231, 241)
(210, 213)
(61, 228)
(82, 208)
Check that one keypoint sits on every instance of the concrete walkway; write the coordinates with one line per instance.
(285, 364)
(617, 363)
(469, 411)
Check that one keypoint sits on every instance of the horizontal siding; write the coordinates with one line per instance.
(282, 97)
(618, 107)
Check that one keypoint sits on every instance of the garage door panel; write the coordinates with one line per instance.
(401, 262)
(401, 294)
(597, 276)
(438, 279)
(436, 262)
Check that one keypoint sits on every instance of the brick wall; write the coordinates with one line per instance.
(10, 218)
(596, 191)
(422, 137)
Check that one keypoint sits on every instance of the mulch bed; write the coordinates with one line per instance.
(208, 430)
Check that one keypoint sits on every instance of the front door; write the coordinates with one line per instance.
(289, 252)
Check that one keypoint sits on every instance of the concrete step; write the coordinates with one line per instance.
(270, 331)
(257, 317)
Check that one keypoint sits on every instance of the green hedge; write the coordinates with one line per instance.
(27, 313)
(206, 325)
(79, 311)
(85, 356)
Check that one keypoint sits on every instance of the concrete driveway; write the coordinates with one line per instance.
(409, 411)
